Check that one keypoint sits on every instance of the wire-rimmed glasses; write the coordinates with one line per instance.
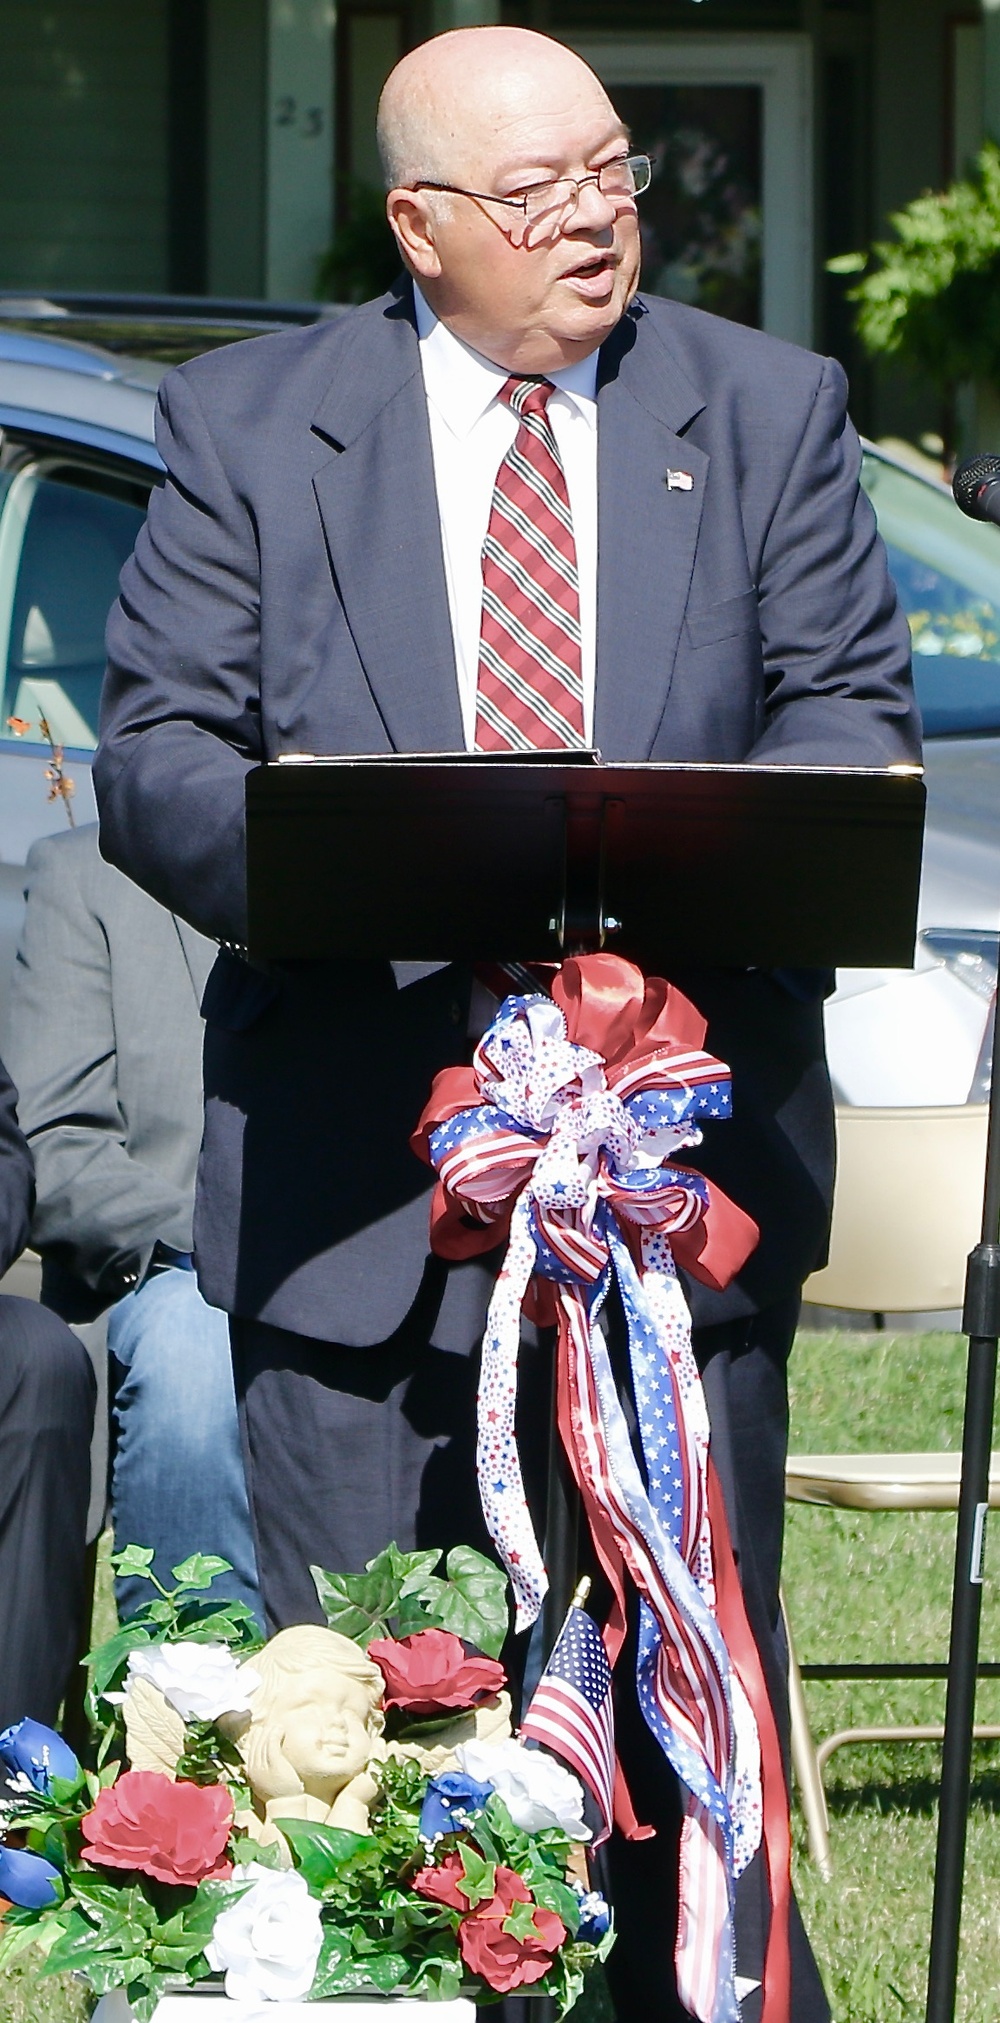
(548, 207)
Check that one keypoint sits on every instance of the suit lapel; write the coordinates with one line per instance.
(647, 531)
(199, 956)
(378, 505)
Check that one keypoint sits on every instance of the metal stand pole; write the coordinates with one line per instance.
(981, 1322)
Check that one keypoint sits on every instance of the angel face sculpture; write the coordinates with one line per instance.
(315, 1722)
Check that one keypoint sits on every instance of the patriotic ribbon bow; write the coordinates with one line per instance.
(562, 1138)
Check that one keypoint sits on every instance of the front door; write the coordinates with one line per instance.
(727, 120)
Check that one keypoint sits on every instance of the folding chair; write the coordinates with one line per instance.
(899, 1244)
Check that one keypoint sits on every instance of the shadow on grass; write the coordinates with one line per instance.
(916, 1795)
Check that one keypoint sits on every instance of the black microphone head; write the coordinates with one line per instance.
(969, 482)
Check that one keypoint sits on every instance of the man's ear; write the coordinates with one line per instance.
(412, 222)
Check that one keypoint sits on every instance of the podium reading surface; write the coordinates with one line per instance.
(480, 858)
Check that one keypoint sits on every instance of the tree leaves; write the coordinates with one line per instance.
(931, 295)
(399, 1594)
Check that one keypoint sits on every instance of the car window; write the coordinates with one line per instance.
(947, 573)
(66, 528)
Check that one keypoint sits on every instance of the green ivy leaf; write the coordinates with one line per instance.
(14, 1940)
(134, 1559)
(557, 1896)
(479, 1877)
(200, 1570)
(439, 1979)
(360, 1605)
(520, 1922)
(246, 1850)
(472, 1602)
(108, 1658)
(323, 1852)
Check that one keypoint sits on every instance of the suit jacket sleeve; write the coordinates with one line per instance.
(98, 1211)
(180, 720)
(836, 645)
(16, 1178)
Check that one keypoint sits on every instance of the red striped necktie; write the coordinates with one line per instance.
(530, 689)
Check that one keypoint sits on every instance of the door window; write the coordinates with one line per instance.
(66, 529)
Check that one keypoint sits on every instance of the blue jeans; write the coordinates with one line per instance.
(177, 1475)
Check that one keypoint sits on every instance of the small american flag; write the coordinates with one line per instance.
(571, 1712)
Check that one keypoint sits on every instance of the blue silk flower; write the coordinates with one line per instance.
(451, 1802)
(595, 1916)
(27, 1880)
(37, 1753)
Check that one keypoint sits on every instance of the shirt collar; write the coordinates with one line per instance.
(461, 383)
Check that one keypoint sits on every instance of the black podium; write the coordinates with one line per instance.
(508, 860)
(476, 858)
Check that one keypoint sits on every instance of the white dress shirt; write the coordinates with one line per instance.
(471, 433)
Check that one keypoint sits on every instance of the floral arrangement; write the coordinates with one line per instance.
(336, 1812)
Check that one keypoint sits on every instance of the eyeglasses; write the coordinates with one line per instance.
(552, 204)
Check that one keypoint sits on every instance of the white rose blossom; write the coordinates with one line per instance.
(200, 1681)
(537, 1791)
(267, 1944)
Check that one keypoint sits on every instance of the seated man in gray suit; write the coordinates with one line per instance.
(106, 1046)
(46, 1413)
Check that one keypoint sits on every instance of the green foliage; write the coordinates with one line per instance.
(364, 259)
(931, 295)
(399, 1593)
(186, 1613)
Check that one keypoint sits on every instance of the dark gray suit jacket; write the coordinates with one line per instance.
(106, 1035)
(288, 594)
(17, 1181)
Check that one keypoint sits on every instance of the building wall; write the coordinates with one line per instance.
(235, 155)
(83, 144)
(910, 151)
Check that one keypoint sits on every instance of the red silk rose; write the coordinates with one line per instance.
(441, 1883)
(501, 1960)
(175, 1832)
(430, 1671)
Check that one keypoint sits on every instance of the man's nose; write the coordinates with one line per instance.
(594, 211)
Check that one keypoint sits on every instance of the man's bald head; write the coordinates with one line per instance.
(445, 103)
(498, 116)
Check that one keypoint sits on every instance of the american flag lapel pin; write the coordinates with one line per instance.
(679, 481)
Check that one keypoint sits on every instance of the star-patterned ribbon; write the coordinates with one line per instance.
(562, 1137)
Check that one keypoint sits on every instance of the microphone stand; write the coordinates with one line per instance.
(973, 486)
(981, 1322)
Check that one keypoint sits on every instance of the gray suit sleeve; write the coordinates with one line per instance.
(17, 1181)
(98, 1211)
(836, 644)
(180, 709)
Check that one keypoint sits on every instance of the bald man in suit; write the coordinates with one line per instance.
(319, 575)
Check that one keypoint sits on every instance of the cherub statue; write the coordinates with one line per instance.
(315, 1723)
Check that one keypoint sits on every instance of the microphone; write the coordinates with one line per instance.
(976, 488)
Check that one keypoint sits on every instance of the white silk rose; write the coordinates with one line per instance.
(199, 1681)
(537, 1791)
(267, 1944)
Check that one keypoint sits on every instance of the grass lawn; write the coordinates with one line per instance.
(858, 1586)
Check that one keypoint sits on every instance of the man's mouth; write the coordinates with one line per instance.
(592, 275)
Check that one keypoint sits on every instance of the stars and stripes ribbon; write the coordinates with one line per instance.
(562, 1137)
